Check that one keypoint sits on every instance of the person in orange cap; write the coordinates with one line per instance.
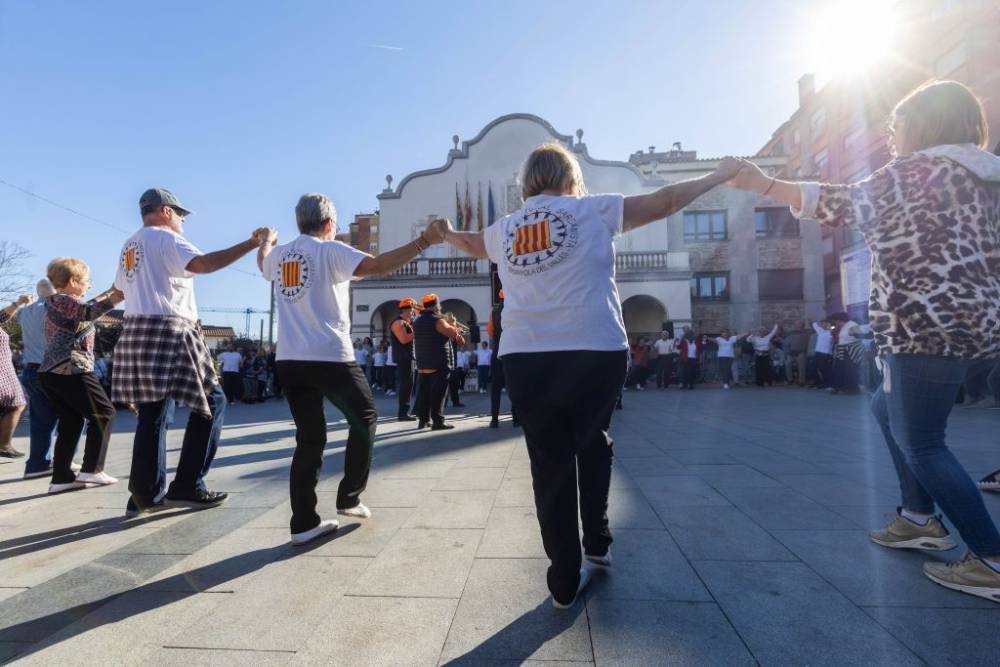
(435, 360)
(402, 355)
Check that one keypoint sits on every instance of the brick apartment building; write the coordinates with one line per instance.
(838, 133)
(362, 233)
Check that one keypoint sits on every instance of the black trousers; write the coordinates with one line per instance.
(689, 372)
(232, 384)
(565, 401)
(662, 371)
(404, 378)
(824, 369)
(764, 373)
(306, 384)
(431, 391)
(498, 384)
(455, 383)
(77, 399)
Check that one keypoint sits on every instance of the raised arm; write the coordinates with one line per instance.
(264, 249)
(8, 312)
(220, 259)
(643, 209)
(388, 262)
(470, 243)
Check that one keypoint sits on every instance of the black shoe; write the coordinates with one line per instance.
(201, 499)
(618, 406)
(442, 427)
(406, 418)
(422, 424)
(494, 423)
(134, 509)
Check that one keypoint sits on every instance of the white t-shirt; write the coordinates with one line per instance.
(463, 359)
(726, 346)
(361, 356)
(484, 357)
(388, 357)
(556, 260)
(664, 346)
(846, 337)
(230, 362)
(379, 359)
(824, 339)
(152, 271)
(312, 280)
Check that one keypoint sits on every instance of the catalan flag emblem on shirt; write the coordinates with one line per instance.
(532, 238)
(130, 259)
(291, 274)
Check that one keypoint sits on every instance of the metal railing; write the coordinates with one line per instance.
(406, 270)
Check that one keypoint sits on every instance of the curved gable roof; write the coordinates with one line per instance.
(463, 153)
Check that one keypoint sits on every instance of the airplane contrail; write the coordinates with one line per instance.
(386, 47)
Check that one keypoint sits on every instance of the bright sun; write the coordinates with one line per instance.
(848, 37)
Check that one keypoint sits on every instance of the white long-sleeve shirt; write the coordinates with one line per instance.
(763, 343)
(824, 339)
(726, 346)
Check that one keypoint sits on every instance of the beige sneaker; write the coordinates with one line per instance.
(968, 575)
(904, 534)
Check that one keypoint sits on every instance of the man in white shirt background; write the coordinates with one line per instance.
(316, 359)
(823, 358)
(664, 346)
(232, 384)
(484, 356)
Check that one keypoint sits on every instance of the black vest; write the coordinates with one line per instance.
(400, 352)
(430, 348)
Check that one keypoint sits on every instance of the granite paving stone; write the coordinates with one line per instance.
(421, 563)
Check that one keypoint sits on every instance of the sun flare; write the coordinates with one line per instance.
(849, 37)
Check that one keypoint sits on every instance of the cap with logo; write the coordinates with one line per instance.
(157, 197)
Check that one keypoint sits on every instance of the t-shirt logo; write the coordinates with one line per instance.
(294, 275)
(540, 240)
(131, 259)
(533, 238)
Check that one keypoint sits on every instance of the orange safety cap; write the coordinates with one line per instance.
(407, 303)
(429, 298)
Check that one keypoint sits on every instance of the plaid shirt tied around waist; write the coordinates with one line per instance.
(160, 356)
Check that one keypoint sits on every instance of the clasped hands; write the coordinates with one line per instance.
(742, 174)
(437, 231)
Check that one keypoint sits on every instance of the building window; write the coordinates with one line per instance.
(816, 123)
(779, 283)
(775, 222)
(854, 141)
(704, 226)
(820, 162)
(710, 286)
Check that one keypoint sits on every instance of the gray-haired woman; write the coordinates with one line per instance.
(932, 220)
(564, 347)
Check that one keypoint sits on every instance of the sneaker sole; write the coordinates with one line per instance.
(599, 562)
(920, 544)
(329, 529)
(193, 504)
(991, 594)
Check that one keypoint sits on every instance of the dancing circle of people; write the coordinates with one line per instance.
(931, 218)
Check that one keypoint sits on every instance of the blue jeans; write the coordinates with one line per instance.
(42, 422)
(148, 478)
(912, 407)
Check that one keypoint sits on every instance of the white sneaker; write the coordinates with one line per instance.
(67, 486)
(96, 478)
(75, 467)
(725, 386)
(600, 561)
(324, 527)
(584, 580)
(358, 510)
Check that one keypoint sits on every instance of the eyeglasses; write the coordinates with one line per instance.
(179, 212)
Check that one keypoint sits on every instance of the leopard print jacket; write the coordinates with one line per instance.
(933, 228)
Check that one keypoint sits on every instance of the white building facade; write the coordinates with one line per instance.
(653, 274)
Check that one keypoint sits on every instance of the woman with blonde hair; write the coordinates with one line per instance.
(931, 218)
(67, 375)
(11, 395)
(564, 348)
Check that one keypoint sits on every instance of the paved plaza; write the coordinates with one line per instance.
(739, 520)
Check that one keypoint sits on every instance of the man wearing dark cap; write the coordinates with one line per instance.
(162, 355)
(434, 357)
(402, 354)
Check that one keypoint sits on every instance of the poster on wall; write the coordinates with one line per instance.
(856, 277)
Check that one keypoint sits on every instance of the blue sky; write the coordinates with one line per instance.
(239, 107)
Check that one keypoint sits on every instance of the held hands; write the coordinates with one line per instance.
(25, 300)
(728, 168)
(437, 230)
(264, 236)
(748, 177)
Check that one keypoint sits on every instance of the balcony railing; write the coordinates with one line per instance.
(452, 266)
(405, 271)
(640, 262)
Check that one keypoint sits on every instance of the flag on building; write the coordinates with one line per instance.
(468, 207)
(458, 210)
(479, 207)
(490, 208)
